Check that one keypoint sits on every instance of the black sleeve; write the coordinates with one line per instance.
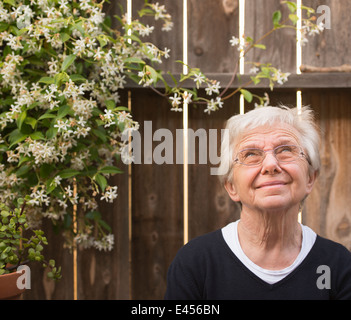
(181, 284)
(185, 277)
(343, 275)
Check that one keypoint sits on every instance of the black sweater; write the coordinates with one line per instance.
(206, 268)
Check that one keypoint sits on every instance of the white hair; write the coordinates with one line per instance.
(239, 125)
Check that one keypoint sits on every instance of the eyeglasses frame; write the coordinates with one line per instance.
(301, 155)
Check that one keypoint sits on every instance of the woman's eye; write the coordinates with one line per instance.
(251, 153)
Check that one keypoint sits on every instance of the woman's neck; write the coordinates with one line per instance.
(271, 240)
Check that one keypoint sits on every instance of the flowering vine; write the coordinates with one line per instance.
(62, 68)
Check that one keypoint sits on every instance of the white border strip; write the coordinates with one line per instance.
(185, 129)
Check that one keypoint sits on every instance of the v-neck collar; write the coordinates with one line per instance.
(257, 278)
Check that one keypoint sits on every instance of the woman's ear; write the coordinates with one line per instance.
(232, 191)
(312, 176)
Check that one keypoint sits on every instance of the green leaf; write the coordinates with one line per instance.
(293, 17)
(105, 225)
(247, 95)
(100, 135)
(11, 2)
(37, 136)
(64, 36)
(121, 108)
(260, 46)
(68, 173)
(68, 61)
(3, 26)
(31, 121)
(51, 132)
(61, 78)
(291, 5)
(134, 60)
(47, 115)
(256, 80)
(77, 78)
(153, 73)
(47, 80)
(277, 15)
(16, 136)
(21, 119)
(110, 104)
(110, 169)
(23, 160)
(101, 181)
(23, 170)
(63, 111)
(45, 170)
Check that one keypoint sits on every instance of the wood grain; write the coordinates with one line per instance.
(327, 208)
(280, 45)
(157, 203)
(211, 24)
(331, 48)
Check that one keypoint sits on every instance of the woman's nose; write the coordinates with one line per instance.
(270, 164)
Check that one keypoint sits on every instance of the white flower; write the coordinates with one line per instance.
(187, 97)
(198, 79)
(124, 116)
(254, 70)
(175, 100)
(219, 102)
(282, 77)
(166, 53)
(211, 106)
(84, 4)
(39, 197)
(145, 30)
(79, 46)
(57, 180)
(110, 194)
(68, 191)
(98, 54)
(168, 25)
(62, 203)
(61, 125)
(234, 41)
(213, 88)
(106, 243)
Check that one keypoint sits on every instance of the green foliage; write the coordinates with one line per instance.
(17, 249)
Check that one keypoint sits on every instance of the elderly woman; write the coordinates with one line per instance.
(271, 162)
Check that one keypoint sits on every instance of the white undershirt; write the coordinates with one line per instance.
(230, 234)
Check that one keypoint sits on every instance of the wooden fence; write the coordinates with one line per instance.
(147, 218)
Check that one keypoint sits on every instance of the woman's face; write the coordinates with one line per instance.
(270, 185)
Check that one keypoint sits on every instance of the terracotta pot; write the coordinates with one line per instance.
(8, 286)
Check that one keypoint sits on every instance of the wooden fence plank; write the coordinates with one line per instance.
(157, 226)
(210, 207)
(106, 275)
(331, 48)
(327, 208)
(280, 45)
(166, 39)
(211, 24)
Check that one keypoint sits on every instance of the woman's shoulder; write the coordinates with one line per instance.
(202, 245)
(331, 249)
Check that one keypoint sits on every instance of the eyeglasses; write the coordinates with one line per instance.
(283, 154)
